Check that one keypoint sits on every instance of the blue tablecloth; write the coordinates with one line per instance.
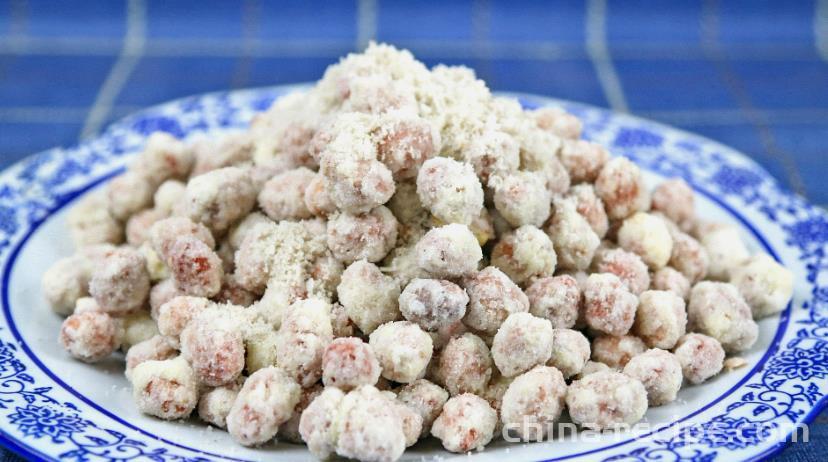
(753, 75)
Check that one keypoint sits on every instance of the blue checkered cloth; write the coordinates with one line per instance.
(753, 75)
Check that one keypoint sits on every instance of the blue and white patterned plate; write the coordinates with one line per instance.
(52, 407)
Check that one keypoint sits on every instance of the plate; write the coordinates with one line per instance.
(53, 407)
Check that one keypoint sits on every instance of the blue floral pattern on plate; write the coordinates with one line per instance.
(789, 387)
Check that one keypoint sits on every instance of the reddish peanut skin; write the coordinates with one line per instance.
(348, 363)
(196, 269)
(89, 336)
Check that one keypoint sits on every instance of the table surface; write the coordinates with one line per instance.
(753, 75)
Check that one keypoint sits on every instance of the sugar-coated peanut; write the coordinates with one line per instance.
(403, 350)
(533, 402)
(90, 335)
(660, 319)
(166, 389)
(628, 266)
(718, 309)
(370, 298)
(120, 283)
(609, 307)
(701, 357)
(660, 373)
(348, 362)
(524, 254)
(766, 285)
(606, 400)
(574, 240)
(570, 352)
(672, 280)
(449, 251)
(265, 401)
(432, 303)
(492, 298)
(466, 423)
(465, 365)
(557, 299)
(367, 236)
(614, 351)
(450, 190)
(621, 187)
(522, 342)
(425, 398)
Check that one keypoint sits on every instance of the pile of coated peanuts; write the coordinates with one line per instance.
(396, 254)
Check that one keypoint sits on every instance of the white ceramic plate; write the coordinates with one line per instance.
(53, 407)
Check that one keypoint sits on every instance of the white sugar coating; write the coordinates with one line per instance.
(65, 282)
(196, 269)
(369, 297)
(450, 190)
(91, 223)
(167, 195)
(161, 293)
(494, 395)
(668, 278)
(660, 373)
(433, 304)
(341, 324)
(766, 285)
(304, 335)
(89, 304)
(557, 299)
(590, 206)
(402, 349)
(689, 257)
(247, 225)
(411, 420)
(538, 150)
(166, 389)
(260, 342)
(701, 357)
(583, 159)
(609, 307)
(120, 282)
(606, 400)
(265, 401)
(524, 254)
(212, 342)
(591, 367)
(674, 198)
(283, 196)
(368, 236)
(660, 319)
(493, 152)
(614, 351)
(465, 365)
(369, 426)
(404, 142)
(163, 157)
(522, 342)
(224, 150)
(718, 309)
(164, 233)
(621, 187)
(214, 404)
(269, 251)
(647, 236)
(138, 326)
(492, 297)
(570, 352)
(725, 250)
(449, 251)
(425, 398)
(556, 121)
(139, 224)
(522, 198)
(406, 206)
(401, 265)
(318, 423)
(467, 423)
(156, 268)
(157, 348)
(289, 431)
(174, 315)
(628, 266)
(349, 362)
(219, 198)
(574, 240)
(316, 197)
(533, 402)
(127, 194)
(90, 336)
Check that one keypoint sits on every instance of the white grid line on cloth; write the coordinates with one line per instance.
(366, 18)
(596, 43)
(821, 28)
(711, 30)
(133, 46)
